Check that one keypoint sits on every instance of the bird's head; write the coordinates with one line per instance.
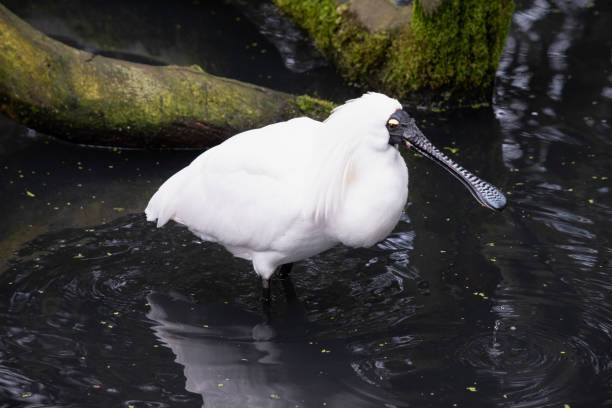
(377, 121)
(403, 130)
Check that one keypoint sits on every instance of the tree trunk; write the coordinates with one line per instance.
(91, 99)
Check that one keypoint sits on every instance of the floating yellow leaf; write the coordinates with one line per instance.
(30, 194)
(453, 150)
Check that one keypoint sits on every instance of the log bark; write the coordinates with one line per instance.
(91, 99)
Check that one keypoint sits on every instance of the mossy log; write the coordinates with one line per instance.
(434, 53)
(74, 95)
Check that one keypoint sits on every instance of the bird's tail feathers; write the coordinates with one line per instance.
(162, 206)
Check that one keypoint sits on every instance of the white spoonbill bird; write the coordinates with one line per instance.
(290, 190)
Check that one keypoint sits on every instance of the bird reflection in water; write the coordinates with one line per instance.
(237, 358)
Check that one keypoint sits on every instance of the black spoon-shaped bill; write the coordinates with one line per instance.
(485, 193)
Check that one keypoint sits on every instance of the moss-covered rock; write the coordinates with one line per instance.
(444, 54)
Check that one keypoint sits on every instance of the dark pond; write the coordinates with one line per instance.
(458, 307)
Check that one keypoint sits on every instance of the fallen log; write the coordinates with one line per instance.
(90, 99)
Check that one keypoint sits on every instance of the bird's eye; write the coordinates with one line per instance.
(392, 124)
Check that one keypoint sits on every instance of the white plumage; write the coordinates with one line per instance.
(290, 190)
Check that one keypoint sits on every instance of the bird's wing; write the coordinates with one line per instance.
(245, 192)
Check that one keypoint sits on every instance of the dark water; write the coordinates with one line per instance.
(458, 307)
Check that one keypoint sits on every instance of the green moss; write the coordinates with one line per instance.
(444, 57)
(313, 107)
(456, 50)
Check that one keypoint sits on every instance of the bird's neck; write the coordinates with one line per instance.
(342, 168)
(374, 196)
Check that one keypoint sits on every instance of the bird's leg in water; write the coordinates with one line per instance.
(283, 272)
(289, 289)
(296, 314)
(265, 293)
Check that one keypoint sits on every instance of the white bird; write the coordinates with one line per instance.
(291, 190)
